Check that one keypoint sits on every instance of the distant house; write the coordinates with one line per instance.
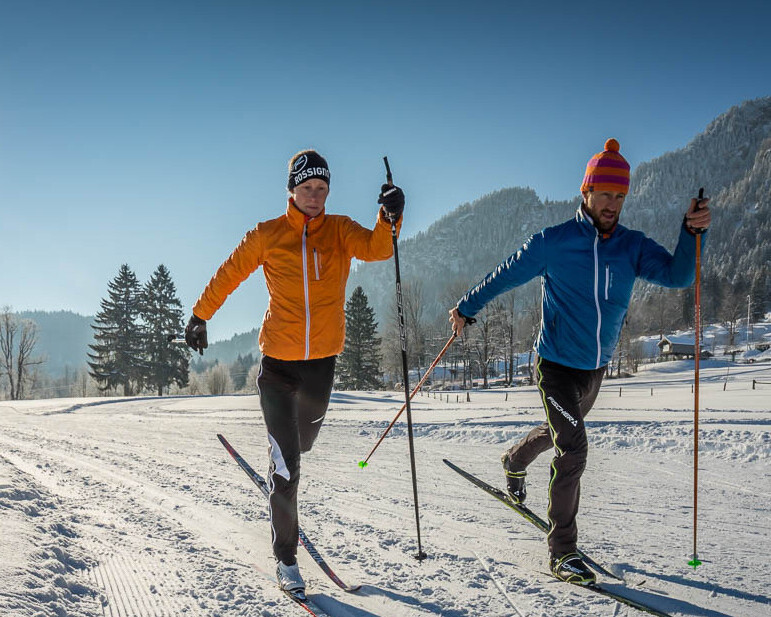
(679, 348)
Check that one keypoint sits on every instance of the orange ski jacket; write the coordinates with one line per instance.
(306, 264)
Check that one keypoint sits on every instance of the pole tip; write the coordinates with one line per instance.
(363, 464)
(421, 556)
(695, 563)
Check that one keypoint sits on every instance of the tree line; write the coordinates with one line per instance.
(500, 344)
(501, 336)
(131, 352)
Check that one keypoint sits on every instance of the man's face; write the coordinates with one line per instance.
(311, 196)
(604, 208)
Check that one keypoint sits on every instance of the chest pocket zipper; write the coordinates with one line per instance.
(317, 262)
(607, 280)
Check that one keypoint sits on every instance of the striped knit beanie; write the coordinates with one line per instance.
(607, 171)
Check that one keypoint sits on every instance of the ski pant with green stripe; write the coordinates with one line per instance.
(567, 395)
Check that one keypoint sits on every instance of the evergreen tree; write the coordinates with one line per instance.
(118, 348)
(164, 363)
(239, 370)
(358, 367)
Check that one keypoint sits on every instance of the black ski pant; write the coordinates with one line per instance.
(294, 396)
(567, 394)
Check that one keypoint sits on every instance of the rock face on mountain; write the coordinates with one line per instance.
(731, 159)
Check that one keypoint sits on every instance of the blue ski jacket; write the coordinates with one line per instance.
(586, 282)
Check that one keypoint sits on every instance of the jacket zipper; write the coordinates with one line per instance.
(597, 299)
(316, 263)
(307, 297)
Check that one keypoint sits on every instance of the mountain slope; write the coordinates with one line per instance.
(731, 159)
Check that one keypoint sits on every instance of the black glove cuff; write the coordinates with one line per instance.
(197, 321)
(468, 320)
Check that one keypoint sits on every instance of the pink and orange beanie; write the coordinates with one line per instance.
(607, 171)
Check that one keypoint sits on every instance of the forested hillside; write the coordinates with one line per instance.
(731, 159)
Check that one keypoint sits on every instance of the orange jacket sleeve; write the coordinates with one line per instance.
(244, 260)
(371, 244)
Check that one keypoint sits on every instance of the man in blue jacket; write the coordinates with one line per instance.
(588, 266)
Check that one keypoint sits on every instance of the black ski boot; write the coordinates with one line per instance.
(571, 569)
(515, 481)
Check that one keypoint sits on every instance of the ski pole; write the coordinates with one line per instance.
(403, 339)
(696, 352)
(415, 390)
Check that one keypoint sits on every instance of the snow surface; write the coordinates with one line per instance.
(132, 508)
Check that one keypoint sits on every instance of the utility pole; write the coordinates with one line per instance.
(749, 304)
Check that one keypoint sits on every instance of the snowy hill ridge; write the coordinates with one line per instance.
(731, 159)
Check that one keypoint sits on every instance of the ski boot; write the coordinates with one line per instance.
(289, 579)
(571, 569)
(515, 481)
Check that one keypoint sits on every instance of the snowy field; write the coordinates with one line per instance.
(132, 508)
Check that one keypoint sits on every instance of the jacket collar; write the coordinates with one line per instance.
(297, 219)
(586, 224)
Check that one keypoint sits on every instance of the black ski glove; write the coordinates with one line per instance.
(392, 200)
(195, 334)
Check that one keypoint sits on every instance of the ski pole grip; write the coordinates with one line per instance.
(389, 177)
(699, 199)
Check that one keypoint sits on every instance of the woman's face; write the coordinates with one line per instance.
(310, 196)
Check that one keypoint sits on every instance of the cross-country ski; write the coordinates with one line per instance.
(531, 517)
(524, 512)
(304, 540)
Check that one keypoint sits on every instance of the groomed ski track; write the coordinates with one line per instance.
(132, 507)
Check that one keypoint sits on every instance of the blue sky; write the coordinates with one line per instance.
(159, 132)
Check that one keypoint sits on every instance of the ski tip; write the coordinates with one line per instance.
(363, 464)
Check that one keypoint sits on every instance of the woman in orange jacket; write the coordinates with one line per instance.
(306, 257)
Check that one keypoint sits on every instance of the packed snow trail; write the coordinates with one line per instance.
(133, 508)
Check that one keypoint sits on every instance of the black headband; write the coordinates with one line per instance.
(309, 164)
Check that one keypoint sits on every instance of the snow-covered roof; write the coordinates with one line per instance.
(680, 339)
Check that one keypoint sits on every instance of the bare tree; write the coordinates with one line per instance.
(506, 309)
(415, 330)
(218, 380)
(663, 310)
(18, 338)
(731, 311)
(531, 324)
(484, 340)
(460, 352)
(412, 298)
